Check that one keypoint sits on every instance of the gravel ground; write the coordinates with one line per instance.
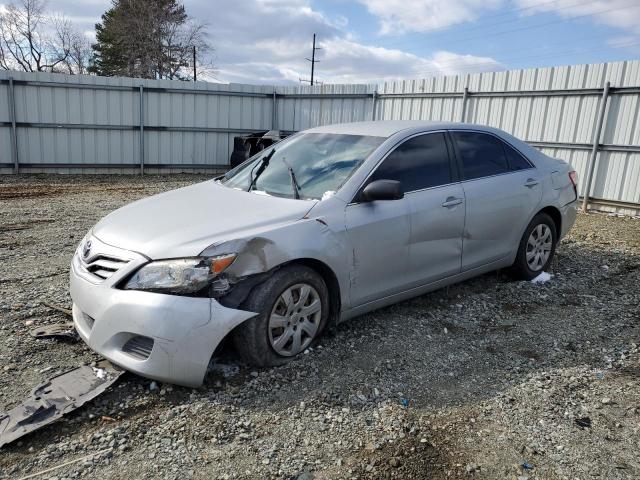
(488, 379)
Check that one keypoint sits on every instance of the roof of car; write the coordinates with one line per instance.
(386, 128)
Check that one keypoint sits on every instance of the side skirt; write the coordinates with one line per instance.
(421, 290)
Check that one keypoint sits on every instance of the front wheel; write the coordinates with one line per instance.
(293, 309)
(537, 247)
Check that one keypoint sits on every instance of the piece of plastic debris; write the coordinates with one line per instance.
(584, 422)
(405, 402)
(61, 330)
(542, 278)
(153, 386)
(54, 398)
(100, 372)
(600, 375)
(527, 465)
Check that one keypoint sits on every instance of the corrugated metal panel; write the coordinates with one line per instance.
(111, 107)
(559, 118)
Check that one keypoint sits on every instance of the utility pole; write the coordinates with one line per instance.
(313, 57)
(195, 72)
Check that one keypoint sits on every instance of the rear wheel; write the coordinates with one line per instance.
(293, 308)
(537, 247)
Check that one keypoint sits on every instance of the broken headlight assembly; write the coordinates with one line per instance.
(180, 275)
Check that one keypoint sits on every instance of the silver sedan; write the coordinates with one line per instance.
(328, 224)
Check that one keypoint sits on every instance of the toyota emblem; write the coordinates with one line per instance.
(86, 249)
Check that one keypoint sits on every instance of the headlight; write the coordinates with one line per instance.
(181, 275)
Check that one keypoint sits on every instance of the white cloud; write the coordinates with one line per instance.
(353, 62)
(274, 39)
(400, 16)
(266, 41)
(623, 14)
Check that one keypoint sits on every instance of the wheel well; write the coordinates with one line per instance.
(555, 215)
(330, 280)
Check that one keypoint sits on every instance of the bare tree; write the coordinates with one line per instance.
(25, 43)
(33, 41)
(72, 45)
(178, 46)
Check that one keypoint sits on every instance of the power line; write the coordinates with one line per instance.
(539, 25)
(489, 25)
(457, 63)
(519, 59)
(529, 27)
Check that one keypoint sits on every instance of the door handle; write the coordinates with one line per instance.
(452, 202)
(531, 182)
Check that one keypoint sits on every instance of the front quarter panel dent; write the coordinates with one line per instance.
(304, 239)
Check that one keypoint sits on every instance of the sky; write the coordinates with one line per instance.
(365, 41)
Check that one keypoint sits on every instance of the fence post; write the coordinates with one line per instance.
(374, 98)
(596, 144)
(274, 112)
(12, 118)
(141, 129)
(465, 97)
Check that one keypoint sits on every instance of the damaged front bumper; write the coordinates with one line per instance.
(168, 338)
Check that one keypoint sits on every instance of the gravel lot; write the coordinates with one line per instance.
(488, 379)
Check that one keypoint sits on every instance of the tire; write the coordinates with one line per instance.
(260, 341)
(528, 263)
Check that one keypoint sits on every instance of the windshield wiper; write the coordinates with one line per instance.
(263, 165)
(294, 183)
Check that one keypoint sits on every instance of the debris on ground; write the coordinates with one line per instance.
(56, 397)
(65, 330)
(58, 308)
(542, 278)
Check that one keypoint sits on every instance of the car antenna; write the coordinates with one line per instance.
(263, 165)
(294, 183)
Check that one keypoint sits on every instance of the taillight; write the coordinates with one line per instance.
(573, 176)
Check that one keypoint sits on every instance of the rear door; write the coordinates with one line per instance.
(501, 188)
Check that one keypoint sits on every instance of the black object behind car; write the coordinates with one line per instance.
(246, 146)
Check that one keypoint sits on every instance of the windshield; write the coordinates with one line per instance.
(318, 162)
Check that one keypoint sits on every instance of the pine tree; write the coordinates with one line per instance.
(146, 39)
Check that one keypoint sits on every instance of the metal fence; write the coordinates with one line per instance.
(585, 114)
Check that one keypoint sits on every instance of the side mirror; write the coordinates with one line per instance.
(382, 190)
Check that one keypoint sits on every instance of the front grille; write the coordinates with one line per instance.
(138, 347)
(103, 267)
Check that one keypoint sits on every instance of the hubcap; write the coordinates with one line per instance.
(295, 319)
(539, 247)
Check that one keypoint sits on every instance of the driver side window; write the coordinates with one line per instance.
(418, 163)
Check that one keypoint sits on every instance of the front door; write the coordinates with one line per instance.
(401, 244)
(379, 236)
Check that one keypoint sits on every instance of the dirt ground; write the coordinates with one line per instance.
(490, 378)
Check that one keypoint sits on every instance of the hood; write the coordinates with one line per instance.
(183, 222)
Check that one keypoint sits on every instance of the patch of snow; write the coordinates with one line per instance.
(542, 278)
(328, 194)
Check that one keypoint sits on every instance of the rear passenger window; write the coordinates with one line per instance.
(515, 159)
(420, 162)
(481, 155)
